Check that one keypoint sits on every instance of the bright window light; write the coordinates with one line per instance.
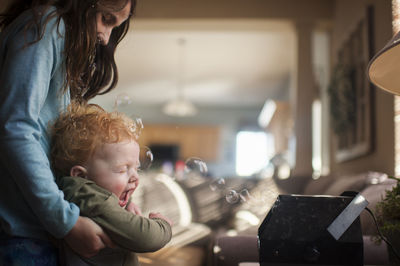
(253, 151)
(316, 133)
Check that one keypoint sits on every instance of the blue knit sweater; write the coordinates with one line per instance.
(31, 81)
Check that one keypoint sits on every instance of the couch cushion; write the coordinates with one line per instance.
(348, 183)
(318, 186)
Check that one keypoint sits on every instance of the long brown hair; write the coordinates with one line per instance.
(90, 66)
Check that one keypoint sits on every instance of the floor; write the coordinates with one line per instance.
(171, 256)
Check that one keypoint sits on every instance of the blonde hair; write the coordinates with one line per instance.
(83, 128)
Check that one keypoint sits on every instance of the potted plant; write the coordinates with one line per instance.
(388, 216)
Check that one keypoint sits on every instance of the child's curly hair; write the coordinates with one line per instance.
(83, 128)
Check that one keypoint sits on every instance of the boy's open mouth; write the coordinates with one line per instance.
(124, 198)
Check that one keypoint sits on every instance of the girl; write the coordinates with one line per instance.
(51, 51)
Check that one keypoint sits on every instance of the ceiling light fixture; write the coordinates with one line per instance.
(180, 106)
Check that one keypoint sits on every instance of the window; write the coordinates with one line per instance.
(320, 107)
(316, 140)
(253, 151)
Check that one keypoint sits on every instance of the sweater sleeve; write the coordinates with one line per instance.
(130, 231)
(25, 77)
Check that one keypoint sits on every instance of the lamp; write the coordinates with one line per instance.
(180, 106)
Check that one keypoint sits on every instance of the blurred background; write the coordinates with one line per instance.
(243, 100)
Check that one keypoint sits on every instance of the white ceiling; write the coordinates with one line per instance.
(228, 62)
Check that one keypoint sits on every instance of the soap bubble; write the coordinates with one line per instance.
(122, 100)
(245, 195)
(137, 127)
(145, 158)
(232, 196)
(218, 184)
(197, 165)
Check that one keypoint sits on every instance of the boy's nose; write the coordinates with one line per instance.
(133, 178)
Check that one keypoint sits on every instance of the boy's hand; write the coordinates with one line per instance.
(133, 208)
(87, 238)
(153, 215)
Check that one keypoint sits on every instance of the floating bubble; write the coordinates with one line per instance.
(232, 196)
(196, 165)
(145, 158)
(121, 100)
(245, 195)
(218, 184)
(136, 127)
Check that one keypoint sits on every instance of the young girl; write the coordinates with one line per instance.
(50, 52)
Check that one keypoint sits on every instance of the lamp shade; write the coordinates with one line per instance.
(179, 107)
(384, 67)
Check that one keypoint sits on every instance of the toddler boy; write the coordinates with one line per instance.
(95, 157)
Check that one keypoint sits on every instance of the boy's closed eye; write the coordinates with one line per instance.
(121, 169)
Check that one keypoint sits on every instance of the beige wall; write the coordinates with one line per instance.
(346, 15)
(272, 9)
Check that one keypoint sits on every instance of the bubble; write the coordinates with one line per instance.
(245, 195)
(232, 196)
(145, 158)
(122, 100)
(218, 184)
(136, 127)
(196, 165)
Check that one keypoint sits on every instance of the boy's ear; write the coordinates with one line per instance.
(78, 170)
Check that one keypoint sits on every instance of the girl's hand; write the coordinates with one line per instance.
(87, 238)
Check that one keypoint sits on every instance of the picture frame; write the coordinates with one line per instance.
(351, 93)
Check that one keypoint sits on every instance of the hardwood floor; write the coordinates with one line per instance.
(171, 256)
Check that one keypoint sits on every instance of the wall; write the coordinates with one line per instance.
(347, 14)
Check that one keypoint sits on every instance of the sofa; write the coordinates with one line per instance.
(241, 247)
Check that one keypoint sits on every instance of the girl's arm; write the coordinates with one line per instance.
(87, 238)
(27, 80)
(31, 79)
